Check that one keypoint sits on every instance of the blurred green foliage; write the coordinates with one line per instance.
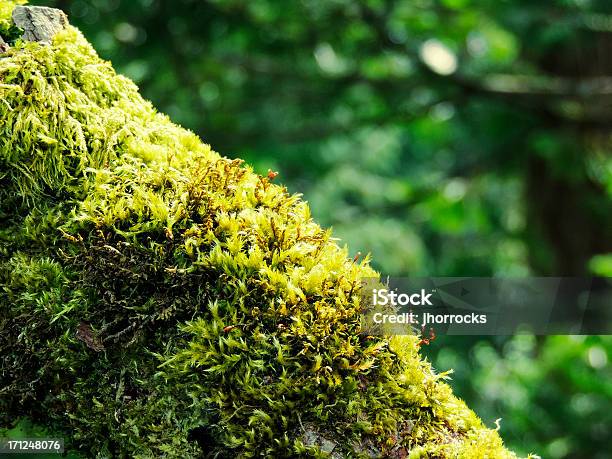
(551, 395)
(446, 137)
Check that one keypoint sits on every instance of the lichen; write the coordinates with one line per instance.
(160, 300)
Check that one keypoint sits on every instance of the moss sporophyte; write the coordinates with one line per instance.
(160, 300)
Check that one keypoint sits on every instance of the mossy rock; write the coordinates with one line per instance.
(160, 300)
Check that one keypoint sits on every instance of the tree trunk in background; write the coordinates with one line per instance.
(568, 213)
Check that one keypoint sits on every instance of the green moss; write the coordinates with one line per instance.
(8, 31)
(161, 300)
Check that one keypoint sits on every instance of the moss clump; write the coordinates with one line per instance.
(8, 31)
(159, 300)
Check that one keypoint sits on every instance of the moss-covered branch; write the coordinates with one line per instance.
(160, 300)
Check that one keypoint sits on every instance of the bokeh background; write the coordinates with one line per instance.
(444, 137)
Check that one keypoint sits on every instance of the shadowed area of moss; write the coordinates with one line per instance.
(159, 300)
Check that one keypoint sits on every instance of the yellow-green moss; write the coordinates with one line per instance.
(159, 300)
(7, 30)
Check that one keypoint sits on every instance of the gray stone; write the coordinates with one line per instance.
(327, 445)
(39, 22)
(313, 437)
